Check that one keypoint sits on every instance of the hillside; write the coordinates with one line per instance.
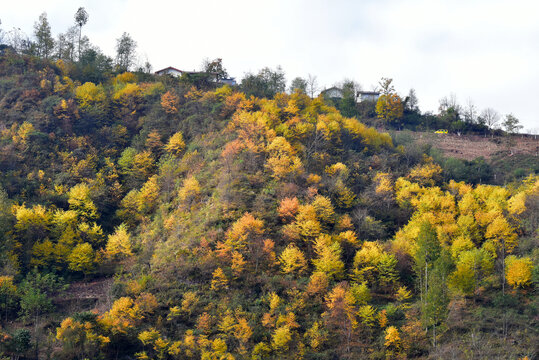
(161, 218)
(470, 147)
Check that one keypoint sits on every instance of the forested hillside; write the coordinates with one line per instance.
(227, 226)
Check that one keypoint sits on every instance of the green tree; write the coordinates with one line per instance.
(8, 294)
(36, 293)
(215, 69)
(298, 84)
(434, 309)
(125, 52)
(44, 40)
(265, 84)
(350, 90)
(511, 124)
(81, 18)
(19, 343)
(427, 251)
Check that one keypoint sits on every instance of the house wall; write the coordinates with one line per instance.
(333, 93)
(368, 97)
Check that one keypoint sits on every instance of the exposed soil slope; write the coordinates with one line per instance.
(469, 147)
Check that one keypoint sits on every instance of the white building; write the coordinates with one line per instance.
(333, 92)
(337, 93)
(170, 71)
(368, 96)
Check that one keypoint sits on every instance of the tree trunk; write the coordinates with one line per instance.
(80, 35)
(503, 268)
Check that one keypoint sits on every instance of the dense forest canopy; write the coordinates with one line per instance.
(154, 217)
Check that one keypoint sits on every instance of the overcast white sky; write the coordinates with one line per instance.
(483, 50)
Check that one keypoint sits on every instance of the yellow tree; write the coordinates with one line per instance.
(389, 107)
(90, 94)
(147, 196)
(170, 102)
(125, 313)
(328, 258)
(281, 338)
(80, 201)
(153, 141)
(519, 271)
(219, 281)
(292, 260)
(316, 335)
(340, 315)
(189, 191)
(82, 258)
(119, 243)
(246, 237)
(324, 210)
(31, 224)
(175, 144)
(502, 235)
(282, 160)
(392, 340)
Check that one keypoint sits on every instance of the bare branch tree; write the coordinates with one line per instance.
(312, 85)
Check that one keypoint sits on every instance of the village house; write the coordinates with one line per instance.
(170, 71)
(368, 96)
(177, 73)
(361, 96)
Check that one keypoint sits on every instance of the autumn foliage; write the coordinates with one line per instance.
(196, 222)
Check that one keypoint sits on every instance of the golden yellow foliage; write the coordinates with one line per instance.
(23, 133)
(426, 174)
(82, 258)
(119, 243)
(344, 197)
(170, 102)
(80, 201)
(328, 258)
(337, 169)
(392, 337)
(281, 338)
(83, 334)
(324, 209)
(244, 230)
(238, 263)
(316, 335)
(125, 77)
(149, 336)
(340, 304)
(389, 107)
(282, 160)
(153, 141)
(367, 314)
(383, 183)
(147, 196)
(292, 260)
(189, 191)
(318, 284)
(127, 92)
(90, 94)
(175, 144)
(518, 271)
(219, 281)
(253, 132)
(123, 315)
